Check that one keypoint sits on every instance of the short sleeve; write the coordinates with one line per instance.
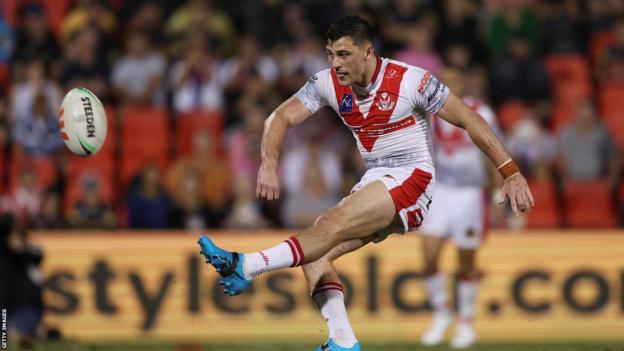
(431, 93)
(310, 94)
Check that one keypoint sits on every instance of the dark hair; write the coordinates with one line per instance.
(353, 26)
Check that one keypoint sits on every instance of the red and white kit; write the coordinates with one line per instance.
(459, 211)
(391, 122)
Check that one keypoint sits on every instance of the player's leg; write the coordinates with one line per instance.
(468, 238)
(437, 295)
(327, 293)
(467, 293)
(360, 214)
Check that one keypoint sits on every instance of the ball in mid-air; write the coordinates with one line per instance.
(83, 122)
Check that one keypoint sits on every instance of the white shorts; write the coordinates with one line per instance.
(411, 190)
(458, 213)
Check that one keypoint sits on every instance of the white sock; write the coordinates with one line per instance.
(467, 291)
(436, 288)
(285, 254)
(329, 297)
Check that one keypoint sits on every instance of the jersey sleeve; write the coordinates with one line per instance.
(429, 92)
(311, 94)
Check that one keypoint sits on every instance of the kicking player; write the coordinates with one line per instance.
(388, 106)
(458, 213)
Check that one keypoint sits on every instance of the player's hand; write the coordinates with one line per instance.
(268, 182)
(517, 190)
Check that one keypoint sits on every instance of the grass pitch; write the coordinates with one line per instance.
(76, 346)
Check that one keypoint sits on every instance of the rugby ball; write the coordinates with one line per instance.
(83, 122)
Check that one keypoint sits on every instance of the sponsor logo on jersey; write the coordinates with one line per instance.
(435, 92)
(88, 110)
(423, 82)
(313, 79)
(385, 102)
(346, 104)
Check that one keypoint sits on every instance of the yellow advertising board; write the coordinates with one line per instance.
(128, 285)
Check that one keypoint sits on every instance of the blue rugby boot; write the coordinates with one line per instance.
(330, 345)
(228, 264)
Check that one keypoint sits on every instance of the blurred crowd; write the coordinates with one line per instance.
(188, 84)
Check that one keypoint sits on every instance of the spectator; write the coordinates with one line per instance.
(38, 133)
(611, 62)
(22, 95)
(202, 15)
(398, 18)
(246, 212)
(193, 79)
(587, 151)
(6, 40)
(533, 147)
(50, 215)
(305, 59)
(137, 77)
(34, 38)
(243, 143)
(419, 51)
(459, 28)
(148, 202)
(85, 66)
(91, 211)
(88, 13)
(250, 64)
(311, 181)
(27, 196)
(302, 157)
(562, 33)
(214, 173)
(148, 17)
(190, 211)
(519, 75)
(514, 20)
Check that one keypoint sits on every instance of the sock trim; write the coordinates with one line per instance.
(296, 246)
(295, 259)
(328, 286)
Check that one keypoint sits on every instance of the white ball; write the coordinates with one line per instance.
(83, 122)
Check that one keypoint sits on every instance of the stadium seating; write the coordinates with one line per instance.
(588, 204)
(510, 112)
(188, 123)
(547, 210)
(144, 138)
(74, 190)
(55, 10)
(44, 168)
(611, 107)
(571, 82)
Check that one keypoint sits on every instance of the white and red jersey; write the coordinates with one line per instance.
(391, 118)
(458, 160)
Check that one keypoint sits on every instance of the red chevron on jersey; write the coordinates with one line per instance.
(381, 109)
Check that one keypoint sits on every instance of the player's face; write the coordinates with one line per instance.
(348, 60)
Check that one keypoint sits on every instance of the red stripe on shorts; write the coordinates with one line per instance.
(408, 193)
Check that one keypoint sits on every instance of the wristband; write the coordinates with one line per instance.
(508, 168)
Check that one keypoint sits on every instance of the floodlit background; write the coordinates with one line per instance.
(187, 86)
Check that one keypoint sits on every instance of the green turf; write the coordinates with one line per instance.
(70, 346)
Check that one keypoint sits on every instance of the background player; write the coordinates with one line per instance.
(458, 213)
(387, 105)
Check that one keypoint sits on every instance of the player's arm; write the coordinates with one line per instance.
(287, 115)
(456, 112)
